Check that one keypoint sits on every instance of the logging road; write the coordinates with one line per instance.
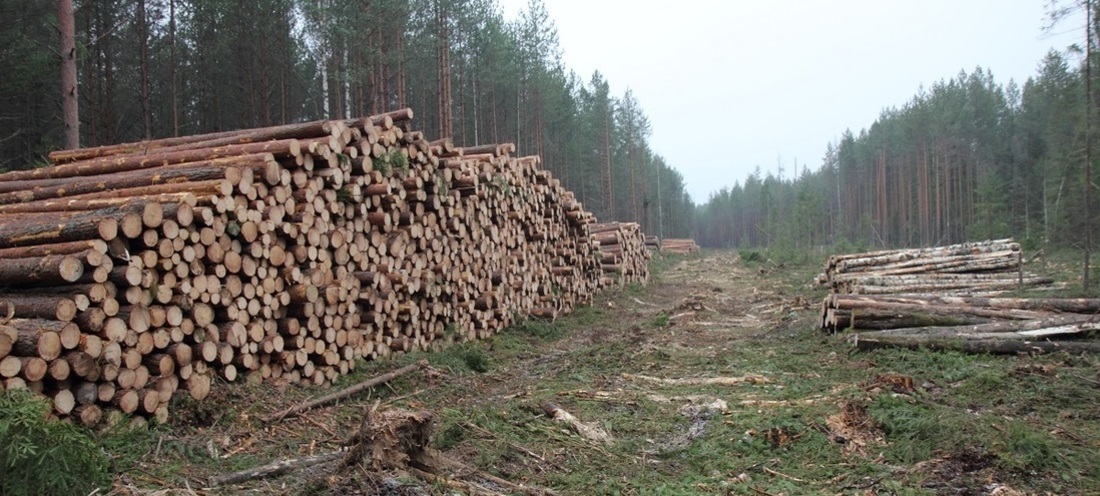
(713, 379)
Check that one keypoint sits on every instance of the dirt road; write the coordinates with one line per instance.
(711, 380)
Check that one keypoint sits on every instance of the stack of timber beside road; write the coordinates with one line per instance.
(130, 273)
(940, 298)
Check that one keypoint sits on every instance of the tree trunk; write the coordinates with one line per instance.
(991, 346)
(69, 103)
(143, 51)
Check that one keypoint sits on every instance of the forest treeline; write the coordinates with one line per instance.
(967, 158)
(158, 68)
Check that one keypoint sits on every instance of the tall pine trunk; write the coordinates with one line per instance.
(172, 67)
(143, 54)
(69, 109)
(1087, 185)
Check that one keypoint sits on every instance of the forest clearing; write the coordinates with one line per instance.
(713, 379)
(232, 262)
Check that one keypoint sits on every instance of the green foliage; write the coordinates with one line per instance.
(399, 160)
(541, 329)
(39, 456)
(752, 256)
(476, 360)
(660, 320)
(343, 195)
(462, 356)
(449, 436)
(381, 164)
(442, 188)
(914, 431)
(1030, 450)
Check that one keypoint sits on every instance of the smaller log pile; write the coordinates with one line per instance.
(984, 267)
(887, 295)
(623, 252)
(652, 243)
(969, 324)
(679, 246)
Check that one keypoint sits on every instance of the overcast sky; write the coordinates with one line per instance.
(732, 85)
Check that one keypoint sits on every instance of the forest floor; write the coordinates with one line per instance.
(713, 379)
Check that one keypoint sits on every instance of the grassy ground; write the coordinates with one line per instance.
(800, 412)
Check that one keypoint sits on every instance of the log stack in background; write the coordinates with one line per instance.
(623, 252)
(680, 246)
(133, 272)
(939, 298)
(982, 267)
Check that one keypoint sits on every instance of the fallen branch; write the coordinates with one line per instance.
(702, 381)
(435, 464)
(464, 486)
(521, 449)
(274, 469)
(362, 386)
(590, 432)
(780, 474)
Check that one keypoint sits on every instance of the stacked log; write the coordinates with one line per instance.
(652, 243)
(679, 246)
(878, 312)
(135, 272)
(970, 324)
(984, 267)
(623, 252)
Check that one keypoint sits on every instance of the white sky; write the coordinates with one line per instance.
(730, 85)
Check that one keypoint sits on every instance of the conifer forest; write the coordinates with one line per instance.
(967, 157)
(162, 68)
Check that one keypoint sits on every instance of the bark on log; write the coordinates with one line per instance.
(98, 224)
(44, 270)
(991, 346)
(27, 191)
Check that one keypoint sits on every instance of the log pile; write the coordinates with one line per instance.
(938, 298)
(881, 312)
(679, 246)
(652, 243)
(133, 272)
(983, 267)
(623, 253)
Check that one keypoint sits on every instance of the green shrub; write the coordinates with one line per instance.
(39, 456)
(476, 360)
(462, 356)
(751, 256)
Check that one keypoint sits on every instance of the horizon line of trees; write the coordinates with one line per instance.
(967, 158)
(159, 68)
